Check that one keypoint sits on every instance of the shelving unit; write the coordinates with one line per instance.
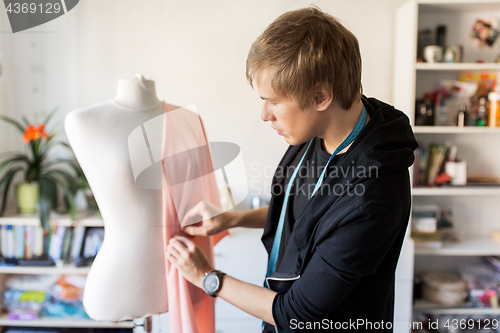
(73, 323)
(455, 191)
(434, 309)
(475, 208)
(82, 219)
(53, 270)
(474, 246)
(455, 130)
(423, 66)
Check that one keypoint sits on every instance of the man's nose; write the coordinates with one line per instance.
(266, 114)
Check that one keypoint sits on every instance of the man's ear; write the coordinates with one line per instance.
(323, 97)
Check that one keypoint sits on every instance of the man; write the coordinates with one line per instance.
(341, 194)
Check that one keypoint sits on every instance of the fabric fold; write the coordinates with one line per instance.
(191, 310)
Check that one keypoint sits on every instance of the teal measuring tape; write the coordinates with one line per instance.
(277, 237)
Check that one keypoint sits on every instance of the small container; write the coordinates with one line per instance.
(461, 117)
(482, 112)
(442, 113)
(494, 109)
(433, 53)
(457, 171)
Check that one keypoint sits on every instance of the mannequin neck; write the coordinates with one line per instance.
(137, 94)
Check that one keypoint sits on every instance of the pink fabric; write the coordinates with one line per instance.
(191, 310)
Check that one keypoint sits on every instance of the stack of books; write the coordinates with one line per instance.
(68, 244)
(429, 163)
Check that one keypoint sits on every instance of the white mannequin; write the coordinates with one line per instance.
(127, 279)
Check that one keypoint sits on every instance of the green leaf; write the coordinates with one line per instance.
(5, 194)
(49, 116)
(44, 211)
(63, 178)
(47, 200)
(7, 181)
(13, 159)
(52, 144)
(37, 147)
(33, 150)
(71, 200)
(68, 161)
(48, 185)
(67, 145)
(26, 120)
(13, 122)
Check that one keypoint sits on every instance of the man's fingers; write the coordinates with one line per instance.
(173, 251)
(196, 231)
(194, 212)
(173, 260)
(189, 244)
(178, 245)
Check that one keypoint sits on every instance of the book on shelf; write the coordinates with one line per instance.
(427, 239)
(76, 243)
(22, 244)
(429, 162)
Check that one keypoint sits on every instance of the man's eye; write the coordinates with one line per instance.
(273, 104)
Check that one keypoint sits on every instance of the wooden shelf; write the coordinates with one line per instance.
(456, 130)
(64, 270)
(431, 308)
(82, 219)
(458, 190)
(459, 66)
(479, 246)
(55, 322)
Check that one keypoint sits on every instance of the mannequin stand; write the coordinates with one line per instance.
(147, 324)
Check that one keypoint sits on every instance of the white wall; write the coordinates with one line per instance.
(3, 90)
(194, 50)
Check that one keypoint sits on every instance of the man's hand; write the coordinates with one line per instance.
(189, 259)
(214, 220)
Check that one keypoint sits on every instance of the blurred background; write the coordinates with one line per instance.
(195, 51)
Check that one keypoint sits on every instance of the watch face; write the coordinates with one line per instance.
(211, 283)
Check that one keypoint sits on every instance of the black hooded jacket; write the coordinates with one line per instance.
(337, 271)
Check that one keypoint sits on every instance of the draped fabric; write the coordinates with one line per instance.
(188, 157)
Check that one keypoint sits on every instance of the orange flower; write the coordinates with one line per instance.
(30, 133)
(41, 131)
(33, 133)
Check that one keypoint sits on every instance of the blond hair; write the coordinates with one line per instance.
(305, 47)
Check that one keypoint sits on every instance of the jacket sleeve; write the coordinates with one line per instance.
(351, 251)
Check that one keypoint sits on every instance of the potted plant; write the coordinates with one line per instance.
(43, 177)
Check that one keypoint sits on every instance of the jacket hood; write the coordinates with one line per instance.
(387, 141)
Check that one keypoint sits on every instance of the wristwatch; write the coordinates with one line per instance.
(212, 282)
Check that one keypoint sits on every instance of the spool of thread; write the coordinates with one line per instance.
(444, 288)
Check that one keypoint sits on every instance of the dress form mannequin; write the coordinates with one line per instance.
(127, 279)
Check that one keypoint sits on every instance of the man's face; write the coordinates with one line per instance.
(295, 125)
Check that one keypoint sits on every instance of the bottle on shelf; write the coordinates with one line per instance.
(494, 108)
(482, 112)
(441, 112)
(424, 112)
(462, 115)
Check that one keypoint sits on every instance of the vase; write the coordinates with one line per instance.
(27, 198)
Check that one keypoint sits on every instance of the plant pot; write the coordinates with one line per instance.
(27, 198)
